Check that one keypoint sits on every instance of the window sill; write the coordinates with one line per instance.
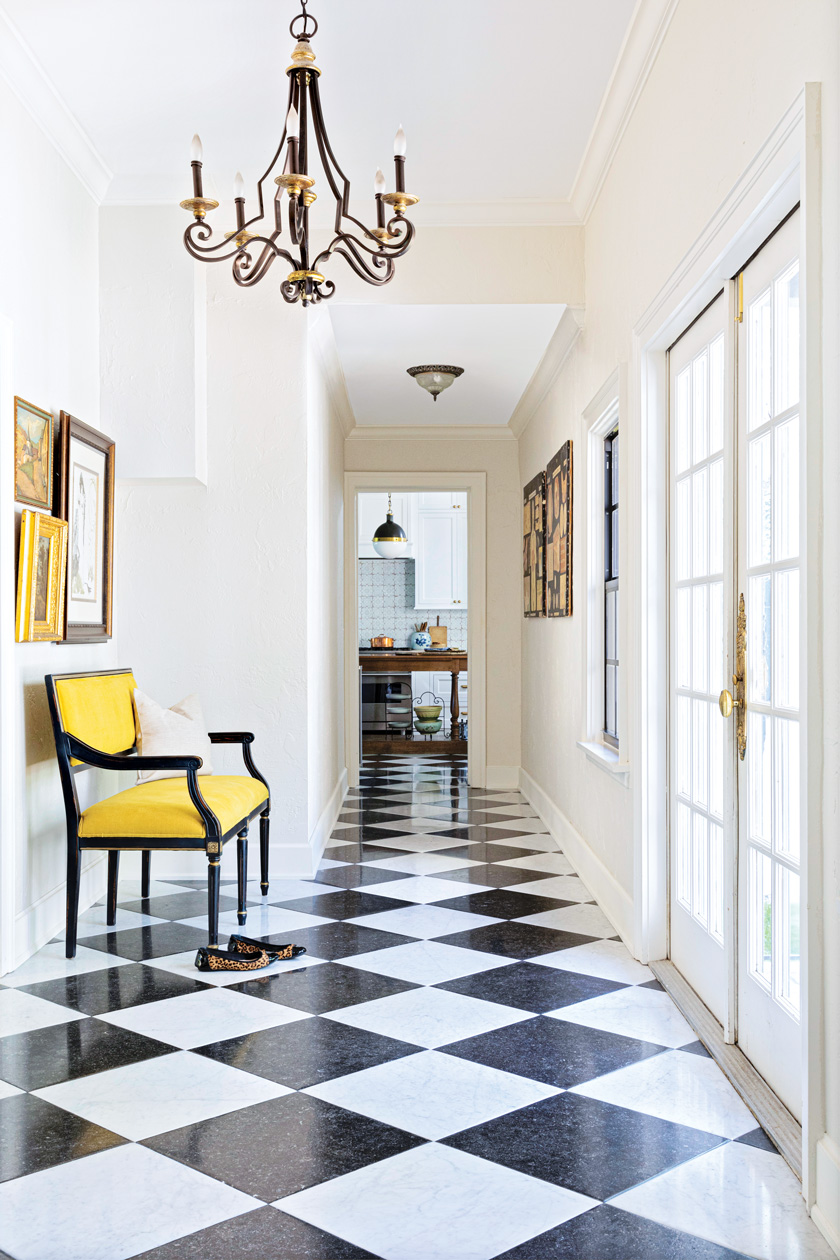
(606, 758)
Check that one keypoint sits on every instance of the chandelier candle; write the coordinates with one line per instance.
(254, 244)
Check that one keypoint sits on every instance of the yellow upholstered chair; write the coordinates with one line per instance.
(93, 724)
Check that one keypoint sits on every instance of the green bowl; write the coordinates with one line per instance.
(428, 712)
(427, 728)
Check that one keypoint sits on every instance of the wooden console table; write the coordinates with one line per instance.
(453, 663)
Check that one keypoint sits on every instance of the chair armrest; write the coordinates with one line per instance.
(231, 737)
(116, 761)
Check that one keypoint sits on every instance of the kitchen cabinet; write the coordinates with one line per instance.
(440, 575)
(442, 500)
(372, 509)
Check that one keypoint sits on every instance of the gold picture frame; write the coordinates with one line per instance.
(34, 430)
(42, 572)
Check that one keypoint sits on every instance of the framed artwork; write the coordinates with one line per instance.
(533, 547)
(41, 576)
(33, 455)
(86, 502)
(558, 530)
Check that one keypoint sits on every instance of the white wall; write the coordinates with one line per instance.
(49, 281)
(724, 77)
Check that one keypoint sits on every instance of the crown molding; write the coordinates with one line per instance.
(642, 41)
(322, 340)
(36, 92)
(548, 369)
(431, 433)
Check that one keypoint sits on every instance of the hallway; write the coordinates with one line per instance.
(469, 1065)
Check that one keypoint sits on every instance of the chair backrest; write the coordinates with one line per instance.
(97, 708)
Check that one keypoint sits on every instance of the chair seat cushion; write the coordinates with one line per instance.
(163, 808)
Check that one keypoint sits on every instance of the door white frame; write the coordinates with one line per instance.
(475, 483)
(8, 792)
(786, 170)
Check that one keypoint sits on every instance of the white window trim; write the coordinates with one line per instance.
(600, 418)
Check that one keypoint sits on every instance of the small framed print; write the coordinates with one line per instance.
(86, 501)
(559, 496)
(33, 455)
(533, 547)
(42, 570)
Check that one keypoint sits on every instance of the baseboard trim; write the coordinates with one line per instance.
(325, 824)
(502, 778)
(605, 888)
(826, 1211)
(39, 923)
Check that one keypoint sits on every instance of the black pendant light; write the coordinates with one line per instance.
(389, 539)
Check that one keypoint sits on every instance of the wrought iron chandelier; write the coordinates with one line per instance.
(370, 251)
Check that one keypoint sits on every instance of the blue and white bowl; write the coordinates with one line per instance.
(420, 639)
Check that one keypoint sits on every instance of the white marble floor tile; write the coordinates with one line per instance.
(412, 824)
(737, 1196)
(518, 826)
(161, 1094)
(611, 960)
(50, 964)
(264, 920)
(341, 826)
(684, 1088)
(183, 964)
(551, 863)
(293, 889)
(436, 1203)
(428, 1017)
(544, 843)
(563, 887)
(587, 919)
(22, 1012)
(131, 889)
(424, 922)
(422, 863)
(432, 1094)
(422, 888)
(111, 1205)
(197, 1019)
(93, 922)
(8, 1091)
(647, 1014)
(276, 890)
(519, 810)
(426, 962)
(415, 843)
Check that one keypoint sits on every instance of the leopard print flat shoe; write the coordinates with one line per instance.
(247, 947)
(210, 959)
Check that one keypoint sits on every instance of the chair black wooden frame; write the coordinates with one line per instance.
(69, 749)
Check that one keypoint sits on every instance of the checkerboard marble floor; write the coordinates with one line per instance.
(467, 1064)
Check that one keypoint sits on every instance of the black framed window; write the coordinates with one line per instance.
(611, 588)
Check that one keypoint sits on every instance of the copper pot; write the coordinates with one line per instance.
(382, 640)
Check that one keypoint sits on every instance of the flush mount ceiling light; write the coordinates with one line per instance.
(435, 377)
(389, 539)
(370, 251)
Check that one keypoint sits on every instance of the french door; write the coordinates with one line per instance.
(735, 668)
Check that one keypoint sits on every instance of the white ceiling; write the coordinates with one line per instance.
(499, 348)
(498, 98)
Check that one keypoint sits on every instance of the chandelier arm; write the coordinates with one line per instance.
(369, 266)
(346, 246)
(291, 292)
(361, 270)
(319, 289)
(328, 158)
(206, 253)
(247, 273)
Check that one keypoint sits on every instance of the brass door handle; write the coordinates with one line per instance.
(726, 701)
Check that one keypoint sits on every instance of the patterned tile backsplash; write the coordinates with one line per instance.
(386, 605)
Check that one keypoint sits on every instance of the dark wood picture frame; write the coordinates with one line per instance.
(98, 629)
(533, 547)
(559, 494)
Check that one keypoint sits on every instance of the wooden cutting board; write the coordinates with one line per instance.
(438, 634)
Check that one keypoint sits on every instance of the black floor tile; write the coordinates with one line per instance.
(266, 1234)
(529, 988)
(46, 1056)
(115, 989)
(364, 834)
(462, 832)
(327, 987)
(358, 853)
(277, 1148)
(338, 940)
(481, 851)
(504, 904)
(156, 941)
(35, 1135)
(307, 1052)
(583, 1144)
(757, 1137)
(494, 876)
(516, 940)
(607, 1233)
(356, 875)
(695, 1047)
(184, 905)
(479, 831)
(343, 905)
(553, 1051)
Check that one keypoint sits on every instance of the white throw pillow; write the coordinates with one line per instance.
(177, 732)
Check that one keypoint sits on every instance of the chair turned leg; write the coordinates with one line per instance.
(242, 874)
(74, 870)
(146, 874)
(264, 854)
(213, 899)
(113, 880)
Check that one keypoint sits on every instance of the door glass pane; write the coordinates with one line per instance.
(786, 831)
(760, 775)
(700, 523)
(700, 638)
(716, 516)
(717, 676)
(786, 490)
(759, 360)
(684, 746)
(786, 640)
(684, 855)
(786, 357)
(683, 643)
(760, 916)
(716, 395)
(758, 500)
(683, 419)
(700, 868)
(700, 409)
(700, 752)
(716, 749)
(683, 530)
(758, 643)
(788, 977)
(716, 881)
